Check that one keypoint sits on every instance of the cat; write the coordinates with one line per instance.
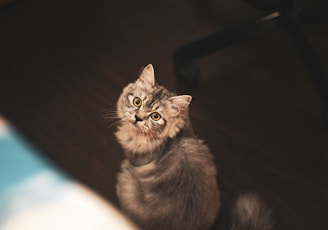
(169, 179)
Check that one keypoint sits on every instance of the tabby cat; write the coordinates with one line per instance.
(168, 180)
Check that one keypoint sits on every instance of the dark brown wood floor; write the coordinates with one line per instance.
(64, 63)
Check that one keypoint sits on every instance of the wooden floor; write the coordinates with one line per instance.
(63, 65)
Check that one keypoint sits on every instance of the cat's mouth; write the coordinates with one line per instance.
(137, 121)
(136, 125)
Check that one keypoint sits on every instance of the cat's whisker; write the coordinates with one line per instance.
(110, 117)
(109, 114)
(128, 114)
(114, 123)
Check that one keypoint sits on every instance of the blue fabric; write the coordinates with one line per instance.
(18, 159)
(27, 180)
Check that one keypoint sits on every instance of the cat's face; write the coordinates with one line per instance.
(148, 109)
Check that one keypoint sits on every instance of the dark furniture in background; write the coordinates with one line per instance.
(290, 14)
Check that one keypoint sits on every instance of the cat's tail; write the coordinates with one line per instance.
(251, 213)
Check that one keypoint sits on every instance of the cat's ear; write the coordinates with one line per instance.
(147, 75)
(179, 104)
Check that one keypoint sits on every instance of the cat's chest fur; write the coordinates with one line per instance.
(166, 190)
(134, 141)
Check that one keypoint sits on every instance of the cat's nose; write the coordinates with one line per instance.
(137, 118)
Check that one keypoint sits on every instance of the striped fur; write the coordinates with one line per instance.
(168, 179)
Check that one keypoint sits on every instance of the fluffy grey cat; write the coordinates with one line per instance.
(168, 179)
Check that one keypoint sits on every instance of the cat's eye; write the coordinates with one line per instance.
(155, 116)
(137, 102)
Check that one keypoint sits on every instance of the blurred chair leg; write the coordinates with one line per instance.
(186, 72)
(311, 61)
(314, 17)
(290, 14)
